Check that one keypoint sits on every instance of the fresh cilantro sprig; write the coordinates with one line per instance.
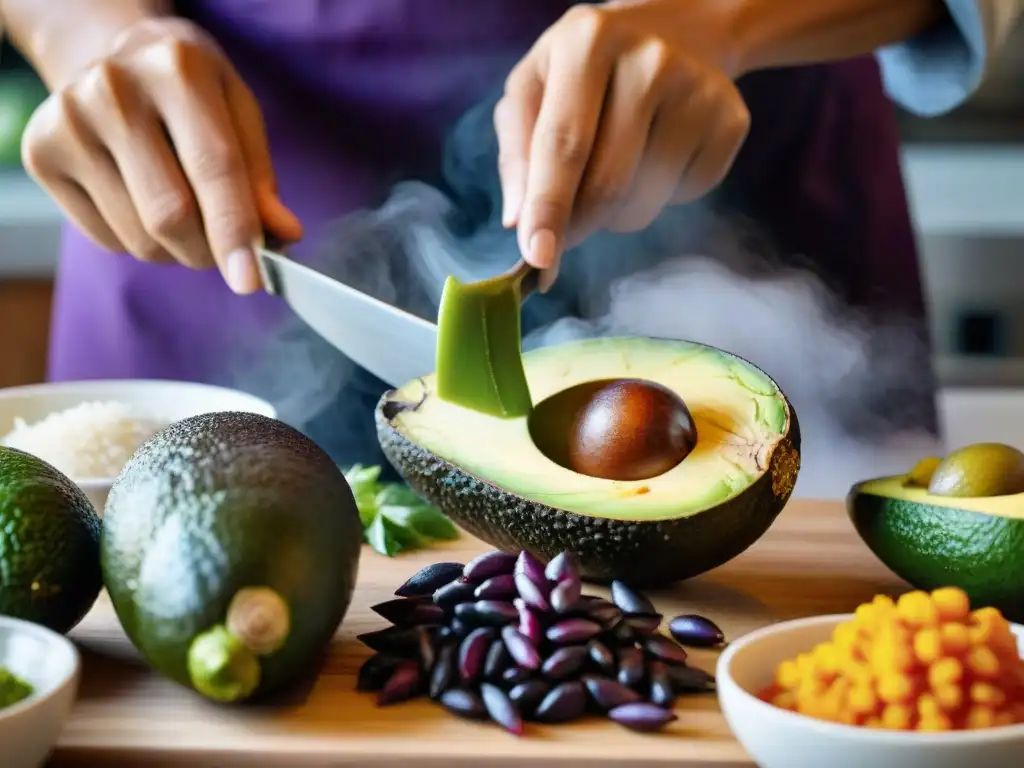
(394, 518)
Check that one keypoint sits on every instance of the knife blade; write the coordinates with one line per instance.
(392, 344)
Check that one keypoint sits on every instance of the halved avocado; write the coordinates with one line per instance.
(931, 541)
(503, 480)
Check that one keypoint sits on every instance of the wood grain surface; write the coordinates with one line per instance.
(810, 562)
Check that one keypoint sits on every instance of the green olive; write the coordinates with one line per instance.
(921, 474)
(982, 469)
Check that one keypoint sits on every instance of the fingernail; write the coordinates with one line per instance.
(543, 249)
(240, 272)
(510, 207)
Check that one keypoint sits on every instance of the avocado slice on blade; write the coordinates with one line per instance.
(507, 480)
(932, 537)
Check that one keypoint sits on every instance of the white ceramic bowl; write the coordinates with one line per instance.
(50, 663)
(777, 738)
(166, 401)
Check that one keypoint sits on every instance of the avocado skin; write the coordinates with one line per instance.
(49, 537)
(644, 554)
(931, 546)
(222, 501)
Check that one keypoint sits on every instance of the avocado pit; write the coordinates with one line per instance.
(621, 429)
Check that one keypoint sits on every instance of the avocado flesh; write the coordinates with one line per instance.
(217, 503)
(931, 541)
(708, 508)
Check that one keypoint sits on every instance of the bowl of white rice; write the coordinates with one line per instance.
(89, 429)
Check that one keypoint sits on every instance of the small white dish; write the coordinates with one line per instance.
(165, 401)
(50, 663)
(778, 738)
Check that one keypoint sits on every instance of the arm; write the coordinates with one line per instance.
(933, 53)
(59, 39)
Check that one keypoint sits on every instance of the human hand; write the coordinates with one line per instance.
(618, 110)
(159, 150)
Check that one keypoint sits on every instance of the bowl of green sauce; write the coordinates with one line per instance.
(39, 672)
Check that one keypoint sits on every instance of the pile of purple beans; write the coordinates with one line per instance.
(506, 639)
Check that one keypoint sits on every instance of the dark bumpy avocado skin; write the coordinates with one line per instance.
(222, 501)
(645, 554)
(978, 553)
(49, 544)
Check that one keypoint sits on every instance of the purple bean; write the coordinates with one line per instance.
(561, 568)
(488, 565)
(520, 648)
(565, 595)
(458, 628)
(501, 710)
(696, 631)
(403, 684)
(601, 656)
(565, 702)
(604, 613)
(464, 703)
(529, 623)
(564, 662)
(571, 631)
(497, 661)
(495, 613)
(631, 666)
(623, 633)
(531, 593)
(427, 650)
(643, 623)
(630, 601)
(526, 696)
(516, 675)
(608, 694)
(690, 680)
(375, 671)
(473, 653)
(443, 674)
(642, 716)
(398, 641)
(528, 565)
(660, 647)
(661, 692)
(497, 588)
(426, 580)
(409, 611)
(451, 595)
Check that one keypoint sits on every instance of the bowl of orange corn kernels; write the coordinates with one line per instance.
(923, 681)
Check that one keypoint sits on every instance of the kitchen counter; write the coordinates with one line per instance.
(953, 189)
(810, 562)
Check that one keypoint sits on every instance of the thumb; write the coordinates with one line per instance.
(252, 136)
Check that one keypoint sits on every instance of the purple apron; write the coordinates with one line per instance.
(358, 94)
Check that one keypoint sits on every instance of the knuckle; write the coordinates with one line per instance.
(568, 143)
(168, 215)
(103, 81)
(658, 57)
(588, 24)
(502, 112)
(146, 249)
(215, 163)
(603, 192)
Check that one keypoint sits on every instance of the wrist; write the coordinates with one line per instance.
(61, 45)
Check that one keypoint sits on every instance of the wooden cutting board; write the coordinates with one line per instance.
(810, 562)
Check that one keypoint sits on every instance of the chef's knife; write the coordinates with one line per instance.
(391, 344)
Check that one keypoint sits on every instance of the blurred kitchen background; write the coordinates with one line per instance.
(965, 176)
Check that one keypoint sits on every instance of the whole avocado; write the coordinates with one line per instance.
(230, 550)
(49, 544)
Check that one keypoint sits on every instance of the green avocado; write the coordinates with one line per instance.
(49, 544)
(932, 540)
(504, 479)
(230, 548)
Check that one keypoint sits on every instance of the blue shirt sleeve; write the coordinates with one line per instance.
(938, 70)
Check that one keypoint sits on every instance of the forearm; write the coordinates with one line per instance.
(59, 39)
(778, 33)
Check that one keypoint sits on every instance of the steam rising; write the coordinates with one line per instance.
(862, 387)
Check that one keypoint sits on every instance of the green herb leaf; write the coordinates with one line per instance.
(394, 518)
